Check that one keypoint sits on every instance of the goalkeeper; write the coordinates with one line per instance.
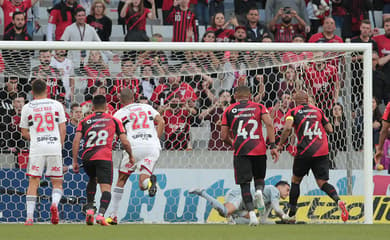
(234, 208)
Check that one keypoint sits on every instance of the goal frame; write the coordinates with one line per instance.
(366, 48)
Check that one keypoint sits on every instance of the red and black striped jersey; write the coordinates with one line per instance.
(183, 21)
(98, 131)
(244, 121)
(309, 122)
(386, 114)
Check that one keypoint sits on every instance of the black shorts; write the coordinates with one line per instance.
(318, 165)
(248, 167)
(101, 169)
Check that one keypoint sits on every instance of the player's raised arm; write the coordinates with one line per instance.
(160, 125)
(75, 151)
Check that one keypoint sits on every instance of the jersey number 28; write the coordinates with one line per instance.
(97, 138)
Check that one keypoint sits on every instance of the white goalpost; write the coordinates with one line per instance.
(208, 68)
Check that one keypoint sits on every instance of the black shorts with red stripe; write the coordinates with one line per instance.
(247, 167)
(318, 165)
(101, 169)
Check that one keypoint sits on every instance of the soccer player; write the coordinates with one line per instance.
(310, 126)
(383, 134)
(234, 208)
(43, 124)
(242, 120)
(144, 136)
(98, 131)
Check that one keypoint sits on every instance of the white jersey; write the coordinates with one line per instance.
(138, 120)
(42, 118)
(67, 70)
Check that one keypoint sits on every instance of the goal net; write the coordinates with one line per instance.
(191, 85)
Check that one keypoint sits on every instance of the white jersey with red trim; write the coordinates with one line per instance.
(42, 118)
(138, 120)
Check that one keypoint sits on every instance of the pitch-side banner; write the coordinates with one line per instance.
(173, 203)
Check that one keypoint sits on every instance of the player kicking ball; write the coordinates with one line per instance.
(144, 136)
(234, 207)
(311, 126)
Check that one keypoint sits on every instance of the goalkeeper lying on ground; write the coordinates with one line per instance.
(234, 209)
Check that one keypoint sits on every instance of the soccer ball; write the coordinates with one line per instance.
(379, 167)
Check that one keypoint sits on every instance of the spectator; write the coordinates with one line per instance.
(60, 61)
(242, 7)
(11, 6)
(323, 81)
(49, 74)
(97, 71)
(376, 121)
(87, 5)
(61, 16)
(79, 30)
(126, 79)
(214, 114)
(76, 114)
(337, 139)
(385, 160)
(183, 20)
(255, 30)
(166, 10)
(98, 89)
(17, 31)
(209, 36)
(291, 82)
(135, 16)
(284, 32)
(98, 20)
(365, 35)
(328, 35)
(61, 99)
(33, 17)
(297, 59)
(148, 82)
(205, 91)
(379, 81)
(165, 92)
(177, 124)
(240, 34)
(219, 26)
(273, 6)
(316, 17)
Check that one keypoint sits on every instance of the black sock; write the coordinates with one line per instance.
(104, 202)
(294, 195)
(259, 184)
(247, 196)
(331, 191)
(91, 190)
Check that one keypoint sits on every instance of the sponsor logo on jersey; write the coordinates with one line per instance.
(143, 136)
(47, 138)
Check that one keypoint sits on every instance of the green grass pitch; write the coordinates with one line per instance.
(194, 231)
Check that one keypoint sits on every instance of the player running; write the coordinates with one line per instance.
(310, 125)
(243, 121)
(234, 207)
(43, 124)
(98, 131)
(144, 137)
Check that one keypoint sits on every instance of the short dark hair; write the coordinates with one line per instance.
(74, 105)
(16, 14)
(39, 86)
(43, 51)
(298, 35)
(242, 90)
(366, 21)
(282, 183)
(99, 101)
(80, 9)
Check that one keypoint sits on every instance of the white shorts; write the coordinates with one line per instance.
(52, 163)
(145, 161)
(234, 197)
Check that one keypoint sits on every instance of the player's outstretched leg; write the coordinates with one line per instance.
(221, 209)
(152, 185)
(332, 193)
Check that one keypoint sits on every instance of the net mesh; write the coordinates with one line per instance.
(190, 89)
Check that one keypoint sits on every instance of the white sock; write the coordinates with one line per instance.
(30, 202)
(115, 200)
(145, 183)
(56, 195)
